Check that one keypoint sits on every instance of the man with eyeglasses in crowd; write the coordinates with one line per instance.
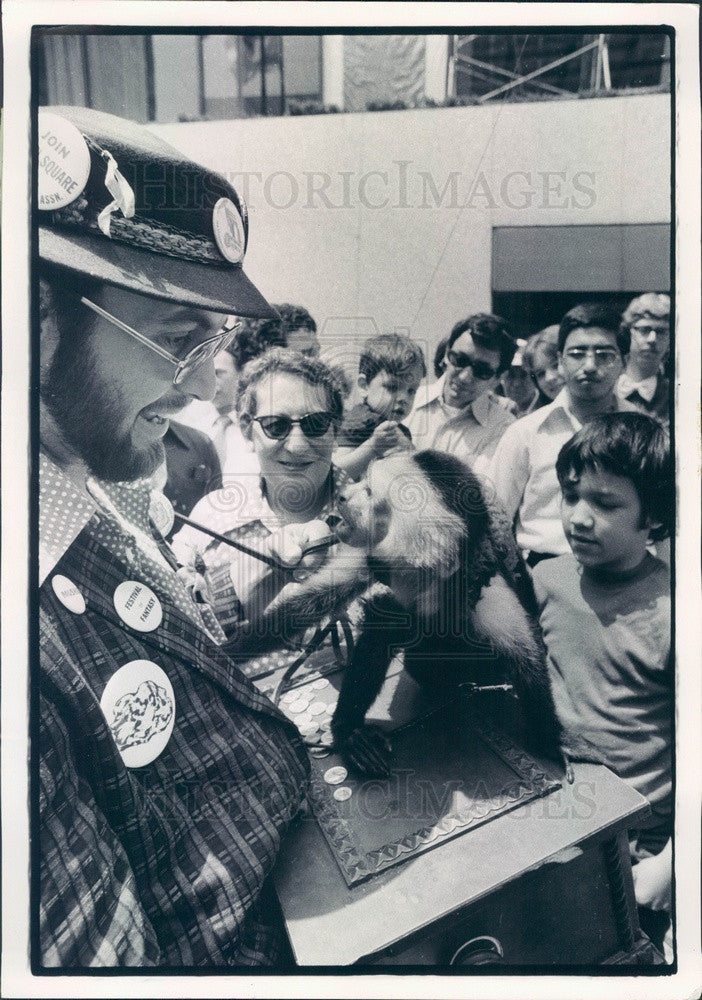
(592, 347)
(460, 414)
(643, 382)
(166, 781)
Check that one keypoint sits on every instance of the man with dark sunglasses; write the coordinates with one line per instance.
(460, 414)
(165, 780)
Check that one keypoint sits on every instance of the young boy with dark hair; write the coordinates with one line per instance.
(605, 617)
(390, 370)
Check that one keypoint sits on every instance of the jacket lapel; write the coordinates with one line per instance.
(97, 574)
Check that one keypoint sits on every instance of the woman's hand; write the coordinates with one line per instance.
(257, 585)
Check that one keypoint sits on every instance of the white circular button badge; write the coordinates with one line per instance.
(68, 594)
(138, 606)
(228, 230)
(139, 706)
(64, 162)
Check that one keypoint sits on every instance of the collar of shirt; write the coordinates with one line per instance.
(431, 394)
(646, 388)
(203, 415)
(480, 408)
(64, 511)
(558, 408)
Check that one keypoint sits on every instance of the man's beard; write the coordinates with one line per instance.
(88, 411)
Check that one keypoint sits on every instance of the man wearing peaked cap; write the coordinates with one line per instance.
(166, 779)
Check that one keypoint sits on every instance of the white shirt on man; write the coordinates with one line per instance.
(470, 433)
(523, 472)
(235, 453)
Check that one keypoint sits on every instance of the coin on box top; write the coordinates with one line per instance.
(297, 706)
(335, 775)
(318, 752)
(308, 728)
(343, 793)
(326, 739)
(317, 708)
(319, 684)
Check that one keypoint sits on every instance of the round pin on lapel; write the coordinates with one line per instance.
(139, 706)
(138, 606)
(63, 164)
(68, 594)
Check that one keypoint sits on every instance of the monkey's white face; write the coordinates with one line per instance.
(393, 491)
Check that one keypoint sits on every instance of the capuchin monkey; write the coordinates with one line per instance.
(447, 584)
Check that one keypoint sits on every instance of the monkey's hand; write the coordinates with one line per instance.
(367, 750)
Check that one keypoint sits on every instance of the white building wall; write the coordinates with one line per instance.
(385, 219)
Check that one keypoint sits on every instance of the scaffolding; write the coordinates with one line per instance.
(482, 67)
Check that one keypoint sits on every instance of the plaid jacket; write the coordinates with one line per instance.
(164, 864)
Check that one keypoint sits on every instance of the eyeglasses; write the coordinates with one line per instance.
(192, 360)
(604, 357)
(278, 425)
(481, 369)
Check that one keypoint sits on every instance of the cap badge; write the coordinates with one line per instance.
(121, 192)
(139, 706)
(64, 162)
(228, 230)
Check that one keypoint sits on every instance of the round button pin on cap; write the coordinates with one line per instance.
(63, 162)
(139, 706)
(138, 606)
(228, 230)
(68, 594)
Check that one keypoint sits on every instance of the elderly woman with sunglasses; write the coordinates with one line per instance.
(289, 408)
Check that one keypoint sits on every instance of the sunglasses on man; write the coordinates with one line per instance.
(192, 359)
(481, 369)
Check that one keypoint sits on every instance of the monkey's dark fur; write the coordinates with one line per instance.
(457, 597)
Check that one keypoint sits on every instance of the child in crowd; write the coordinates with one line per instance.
(390, 370)
(605, 617)
(540, 360)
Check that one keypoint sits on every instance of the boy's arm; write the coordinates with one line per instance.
(386, 437)
(355, 461)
